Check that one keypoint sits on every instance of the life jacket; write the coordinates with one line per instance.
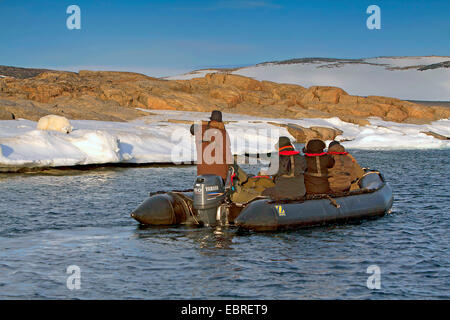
(341, 174)
(283, 152)
(291, 154)
(320, 172)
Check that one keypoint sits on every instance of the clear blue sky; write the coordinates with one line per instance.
(166, 37)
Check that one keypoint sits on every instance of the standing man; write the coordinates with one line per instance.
(213, 146)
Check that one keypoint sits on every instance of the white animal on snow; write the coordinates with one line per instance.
(54, 123)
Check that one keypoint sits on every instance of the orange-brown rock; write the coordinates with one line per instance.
(355, 120)
(323, 94)
(396, 115)
(6, 115)
(115, 96)
(326, 133)
(303, 135)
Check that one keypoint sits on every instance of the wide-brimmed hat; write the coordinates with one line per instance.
(216, 115)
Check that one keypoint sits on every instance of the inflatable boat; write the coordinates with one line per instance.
(208, 204)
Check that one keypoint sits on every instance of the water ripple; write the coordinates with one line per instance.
(51, 221)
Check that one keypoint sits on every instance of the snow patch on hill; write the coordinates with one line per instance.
(397, 77)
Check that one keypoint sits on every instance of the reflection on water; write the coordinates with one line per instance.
(205, 239)
(51, 220)
(214, 239)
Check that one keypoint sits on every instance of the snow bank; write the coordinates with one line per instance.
(165, 138)
(390, 135)
(39, 148)
(152, 139)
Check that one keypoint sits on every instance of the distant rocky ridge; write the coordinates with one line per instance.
(21, 73)
(445, 64)
(115, 96)
(334, 62)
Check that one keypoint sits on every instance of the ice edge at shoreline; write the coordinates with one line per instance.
(153, 139)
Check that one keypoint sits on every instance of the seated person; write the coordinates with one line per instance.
(318, 162)
(288, 179)
(247, 187)
(346, 172)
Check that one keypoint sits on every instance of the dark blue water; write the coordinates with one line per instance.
(53, 220)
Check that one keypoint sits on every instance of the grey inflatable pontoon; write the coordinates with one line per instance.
(207, 205)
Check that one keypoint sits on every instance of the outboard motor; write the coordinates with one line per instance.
(209, 194)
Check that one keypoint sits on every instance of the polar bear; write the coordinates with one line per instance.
(54, 123)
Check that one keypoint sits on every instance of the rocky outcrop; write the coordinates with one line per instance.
(445, 64)
(86, 107)
(436, 135)
(6, 115)
(115, 96)
(303, 135)
(21, 73)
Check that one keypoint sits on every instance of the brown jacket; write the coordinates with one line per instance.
(316, 176)
(344, 171)
(358, 172)
(213, 148)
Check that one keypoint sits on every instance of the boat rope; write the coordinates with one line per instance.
(193, 216)
(333, 202)
(321, 196)
(162, 192)
(370, 172)
(186, 205)
(367, 173)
